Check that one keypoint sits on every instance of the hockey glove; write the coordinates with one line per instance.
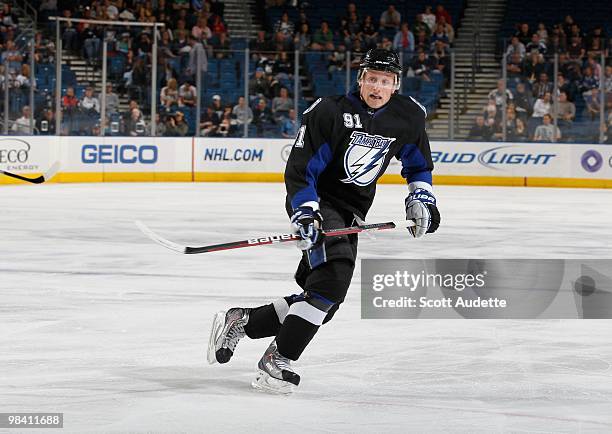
(421, 207)
(307, 223)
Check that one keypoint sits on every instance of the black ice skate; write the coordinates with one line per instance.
(275, 373)
(227, 330)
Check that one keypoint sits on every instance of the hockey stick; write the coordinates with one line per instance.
(270, 239)
(38, 180)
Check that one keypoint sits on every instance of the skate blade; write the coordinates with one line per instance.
(264, 382)
(215, 332)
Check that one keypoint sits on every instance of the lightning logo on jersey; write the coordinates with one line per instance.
(365, 157)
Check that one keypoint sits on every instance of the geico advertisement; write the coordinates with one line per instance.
(498, 159)
(27, 154)
(592, 161)
(126, 154)
(240, 155)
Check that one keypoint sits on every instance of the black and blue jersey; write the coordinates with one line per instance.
(343, 147)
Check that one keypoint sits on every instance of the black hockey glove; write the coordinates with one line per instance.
(421, 207)
(308, 224)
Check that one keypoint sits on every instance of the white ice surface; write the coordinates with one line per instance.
(101, 324)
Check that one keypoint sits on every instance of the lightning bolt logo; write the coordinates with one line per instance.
(364, 158)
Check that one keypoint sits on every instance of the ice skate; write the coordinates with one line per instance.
(227, 330)
(275, 373)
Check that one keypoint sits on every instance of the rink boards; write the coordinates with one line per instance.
(124, 159)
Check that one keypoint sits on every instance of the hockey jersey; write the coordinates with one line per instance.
(343, 147)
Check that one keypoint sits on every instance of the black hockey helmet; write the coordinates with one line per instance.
(379, 59)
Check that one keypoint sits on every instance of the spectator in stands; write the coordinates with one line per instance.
(357, 53)
(543, 33)
(447, 28)
(597, 42)
(242, 112)
(91, 43)
(429, 18)
(22, 125)
(169, 96)
(217, 106)
(262, 117)
(593, 104)
(221, 46)
(209, 123)
(565, 86)
(11, 56)
(515, 128)
(323, 38)
(218, 27)
(536, 44)
(70, 102)
(595, 66)
(404, 39)
(608, 80)
(10, 21)
(69, 32)
(514, 67)
(283, 66)
(258, 85)
(135, 126)
(302, 38)
(422, 42)
(90, 105)
(541, 107)
(440, 60)
(568, 23)
(112, 100)
(387, 44)
(260, 45)
(177, 126)
(23, 79)
(390, 19)
(534, 66)
(421, 26)
(516, 47)
(369, 33)
(284, 27)
(139, 80)
(589, 81)
(566, 111)
(547, 132)
(187, 94)
(337, 60)
(274, 86)
(523, 102)
(442, 14)
(439, 35)
(289, 125)
(491, 115)
(354, 26)
(281, 105)
(556, 44)
(197, 55)
(201, 31)
(46, 123)
(575, 49)
(542, 86)
(421, 66)
(480, 131)
(226, 126)
(523, 34)
(500, 93)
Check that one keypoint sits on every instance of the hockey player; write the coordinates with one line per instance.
(343, 146)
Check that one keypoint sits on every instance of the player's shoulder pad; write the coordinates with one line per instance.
(412, 104)
(324, 106)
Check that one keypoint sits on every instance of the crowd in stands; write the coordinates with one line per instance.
(195, 35)
(530, 91)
